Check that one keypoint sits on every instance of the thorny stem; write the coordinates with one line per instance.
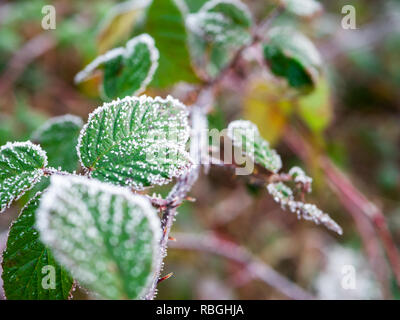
(253, 266)
(199, 124)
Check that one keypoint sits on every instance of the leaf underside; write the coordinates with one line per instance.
(293, 56)
(107, 237)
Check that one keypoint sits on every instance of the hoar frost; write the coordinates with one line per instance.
(22, 167)
(137, 142)
(107, 237)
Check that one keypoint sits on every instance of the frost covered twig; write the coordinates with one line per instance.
(256, 268)
(185, 182)
(364, 213)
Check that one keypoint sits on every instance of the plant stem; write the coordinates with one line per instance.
(365, 213)
(253, 266)
(199, 126)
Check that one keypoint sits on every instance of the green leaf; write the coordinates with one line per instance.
(59, 137)
(218, 30)
(195, 5)
(127, 71)
(245, 135)
(137, 142)
(234, 10)
(21, 167)
(106, 236)
(293, 56)
(27, 263)
(166, 24)
(302, 8)
(316, 108)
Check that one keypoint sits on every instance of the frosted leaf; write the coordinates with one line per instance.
(137, 142)
(293, 56)
(300, 177)
(106, 237)
(302, 8)
(245, 135)
(283, 195)
(21, 165)
(24, 259)
(59, 137)
(222, 22)
(127, 71)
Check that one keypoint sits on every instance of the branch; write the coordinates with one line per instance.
(255, 268)
(365, 213)
(198, 143)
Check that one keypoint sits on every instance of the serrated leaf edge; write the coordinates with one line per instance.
(38, 172)
(47, 201)
(56, 120)
(142, 99)
(125, 51)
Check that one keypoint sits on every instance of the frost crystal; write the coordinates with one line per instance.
(55, 122)
(21, 167)
(138, 61)
(245, 135)
(137, 142)
(300, 177)
(223, 22)
(303, 8)
(107, 237)
(283, 195)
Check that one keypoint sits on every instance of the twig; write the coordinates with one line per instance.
(3, 243)
(364, 213)
(185, 183)
(253, 266)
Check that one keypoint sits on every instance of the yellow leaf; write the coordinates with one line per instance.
(266, 106)
(315, 109)
(119, 23)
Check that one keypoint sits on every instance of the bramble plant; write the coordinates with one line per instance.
(90, 215)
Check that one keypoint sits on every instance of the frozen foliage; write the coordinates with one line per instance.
(222, 22)
(127, 71)
(58, 137)
(283, 195)
(21, 165)
(292, 55)
(300, 177)
(245, 135)
(303, 8)
(137, 142)
(24, 259)
(107, 237)
(345, 276)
